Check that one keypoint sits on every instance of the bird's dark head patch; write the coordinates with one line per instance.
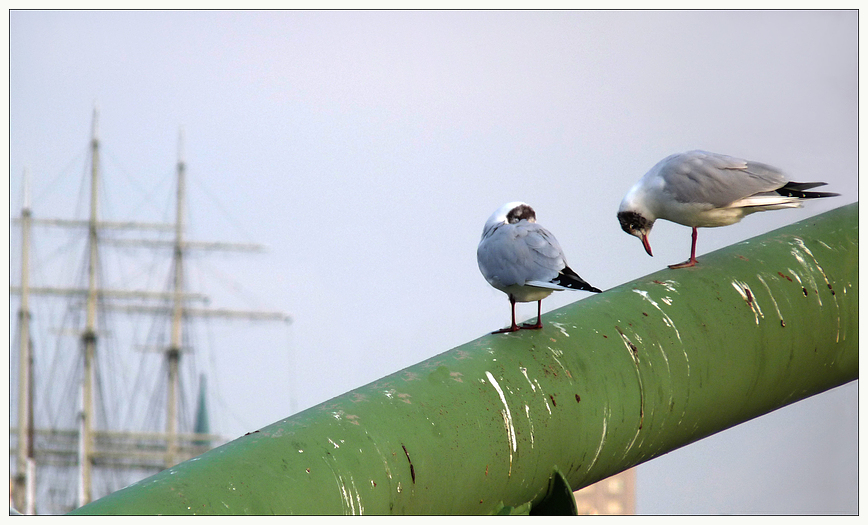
(522, 211)
(634, 223)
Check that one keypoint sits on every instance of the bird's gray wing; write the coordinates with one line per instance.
(709, 178)
(520, 253)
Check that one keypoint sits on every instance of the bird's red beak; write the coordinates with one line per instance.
(646, 244)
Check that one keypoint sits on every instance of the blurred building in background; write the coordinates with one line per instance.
(613, 495)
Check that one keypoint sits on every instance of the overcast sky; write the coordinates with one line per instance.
(367, 149)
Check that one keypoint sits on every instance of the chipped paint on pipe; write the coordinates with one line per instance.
(610, 382)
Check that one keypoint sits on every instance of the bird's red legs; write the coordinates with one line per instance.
(692, 261)
(514, 327)
(538, 324)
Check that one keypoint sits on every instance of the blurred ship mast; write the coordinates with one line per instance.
(112, 449)
(22, 483)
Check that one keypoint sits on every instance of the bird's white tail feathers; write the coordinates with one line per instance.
(550, 286)
(767, 202)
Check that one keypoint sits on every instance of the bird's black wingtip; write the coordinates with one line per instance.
(797, 189)
(571, 279)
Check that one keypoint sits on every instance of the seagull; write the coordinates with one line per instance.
(523, 260)
(704, 190)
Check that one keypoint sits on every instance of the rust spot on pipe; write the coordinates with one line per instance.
(578, 399)
(749, 296)
(805, 291)
(412, 470)
(787, 277)
(553, 400)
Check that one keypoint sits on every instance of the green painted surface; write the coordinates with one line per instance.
(611, 381)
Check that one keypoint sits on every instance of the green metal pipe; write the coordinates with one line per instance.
(515, 422)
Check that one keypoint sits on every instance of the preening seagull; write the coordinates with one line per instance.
(703, 190)
(524, 260)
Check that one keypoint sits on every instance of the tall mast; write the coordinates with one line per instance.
(99, 448)
(21, 496)
(173, 353)
(89, 335)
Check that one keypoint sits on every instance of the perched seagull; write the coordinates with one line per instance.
(703, 190)
(523, 260)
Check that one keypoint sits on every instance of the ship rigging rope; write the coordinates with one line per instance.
(235, 223)
(147, 192)
(54, 185)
